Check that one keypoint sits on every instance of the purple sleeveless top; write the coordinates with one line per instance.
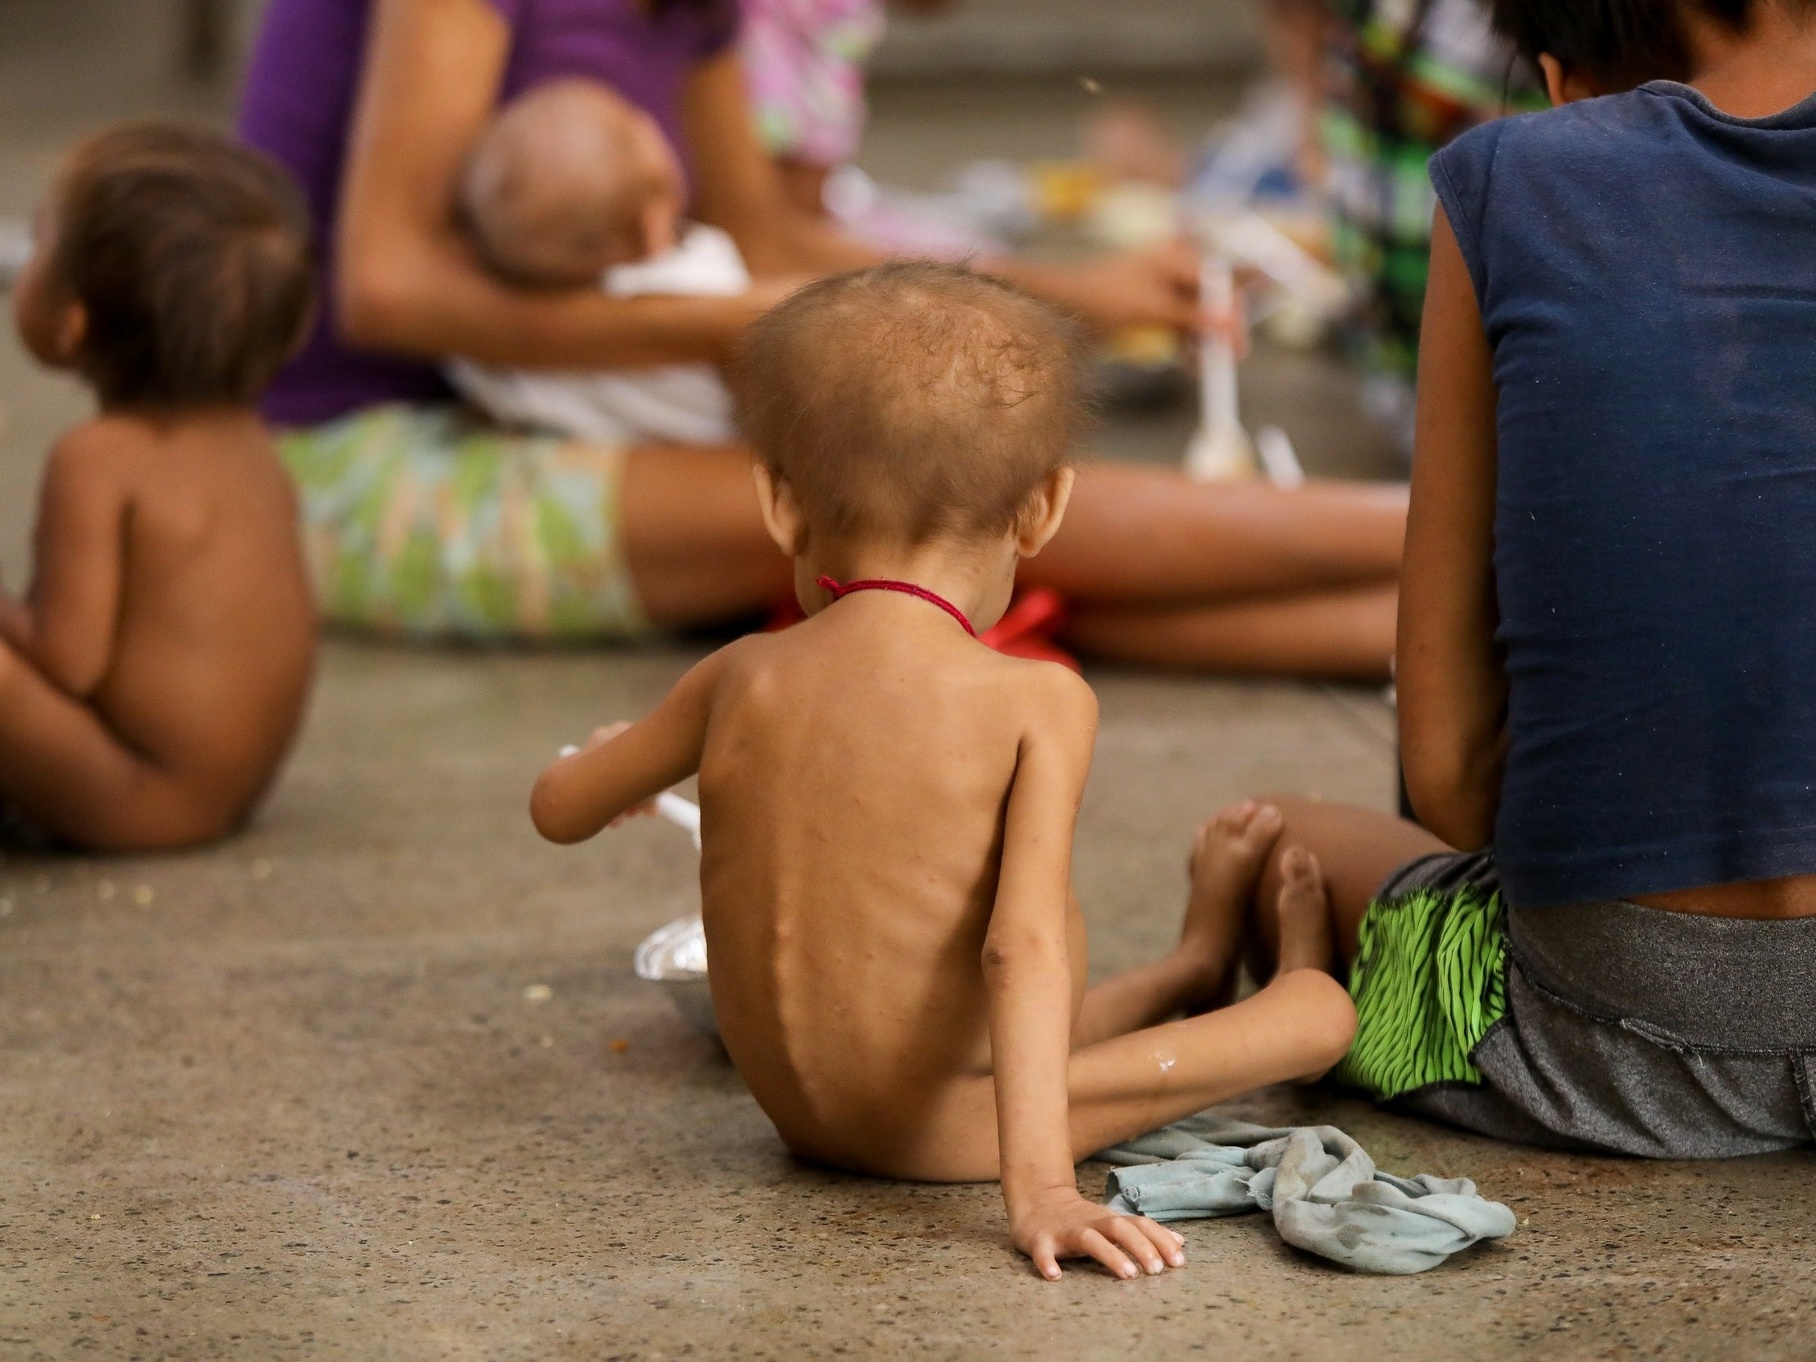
(298, 107)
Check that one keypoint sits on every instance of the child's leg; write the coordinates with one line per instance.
(66, 771)
(1356, 850)
(1227, 859)
(1298, 1026)
(1343, 634)
(1135, 1081)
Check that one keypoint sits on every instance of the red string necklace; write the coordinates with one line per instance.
(839, 592)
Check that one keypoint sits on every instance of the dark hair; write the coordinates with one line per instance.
(911, 400)
(1617, 43)
(190, 254)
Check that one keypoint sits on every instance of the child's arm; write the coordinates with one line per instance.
(578, 795)
(65, 625)
(1027, 971)
(1452, 687)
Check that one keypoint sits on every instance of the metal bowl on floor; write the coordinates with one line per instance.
(675, 957)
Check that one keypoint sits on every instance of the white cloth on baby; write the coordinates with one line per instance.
(683, 403)
(1324, 1191)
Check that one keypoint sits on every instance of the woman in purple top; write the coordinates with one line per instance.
(422, 519)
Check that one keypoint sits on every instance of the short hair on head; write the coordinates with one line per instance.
(190, 254)
(1620, 44)
(551, 191)
(912, 400)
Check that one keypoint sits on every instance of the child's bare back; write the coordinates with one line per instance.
(153, 678)
(854, 776)
(898, 962)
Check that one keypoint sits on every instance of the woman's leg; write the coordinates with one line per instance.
(1152, 537)
(694, 538)
(68, 774)
(1134, 537)
(1343, 634)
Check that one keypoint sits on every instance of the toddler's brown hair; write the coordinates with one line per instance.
(912, 400)
(190, 254)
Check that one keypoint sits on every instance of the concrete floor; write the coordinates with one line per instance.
(293, 1096)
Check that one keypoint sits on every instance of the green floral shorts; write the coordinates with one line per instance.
(427, 523)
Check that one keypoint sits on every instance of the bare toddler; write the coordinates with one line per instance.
(571, 185)
(153, 677)
(898, 961)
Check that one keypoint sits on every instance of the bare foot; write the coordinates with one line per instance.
(1227, 856)
(1306, 940)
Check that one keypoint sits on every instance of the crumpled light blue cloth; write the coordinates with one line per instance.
(1325, 1192)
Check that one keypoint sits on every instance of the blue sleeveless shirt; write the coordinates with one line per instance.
(1646, 269)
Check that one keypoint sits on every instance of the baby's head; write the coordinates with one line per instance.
(172, 269)
(1604, 46)
(914, 403)
(568, 181)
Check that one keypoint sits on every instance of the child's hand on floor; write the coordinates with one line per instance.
(1065, 1225)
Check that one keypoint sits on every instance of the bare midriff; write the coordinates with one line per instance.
(1791, 897)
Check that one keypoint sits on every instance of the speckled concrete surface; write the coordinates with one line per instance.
(293, 1096)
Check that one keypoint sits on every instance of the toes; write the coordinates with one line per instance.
(1300, 874)
(1233, 818)
(1263, 827)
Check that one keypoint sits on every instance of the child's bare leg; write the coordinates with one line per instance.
(1355, 850)
(1296, 1028)
(1343, 634)
(67, 773)
(1227, 857)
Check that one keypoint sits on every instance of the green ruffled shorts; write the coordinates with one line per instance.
(427, 523)
(1429, 979)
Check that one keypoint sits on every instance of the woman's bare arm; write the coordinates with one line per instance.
(1452, 686)
(408, 281)
(738, 188)
(65, 626)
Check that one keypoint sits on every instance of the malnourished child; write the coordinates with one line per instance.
(154, 676)
(571, 185)
(898, 962)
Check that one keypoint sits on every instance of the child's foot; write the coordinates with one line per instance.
(1306, 941)
(1227, 856)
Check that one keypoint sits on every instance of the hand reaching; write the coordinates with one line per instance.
(1065, 1225)
(1155, 287)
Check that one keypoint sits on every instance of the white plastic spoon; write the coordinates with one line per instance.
(1220, 450)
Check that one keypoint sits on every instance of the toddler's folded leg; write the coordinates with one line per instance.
(1300, 1024)
(1297, 1027)
(69, 774)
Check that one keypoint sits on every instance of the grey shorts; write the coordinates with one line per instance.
(1634, 1030)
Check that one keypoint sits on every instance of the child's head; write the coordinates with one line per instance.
(1611, 45)
(568, 181)
(912, 402)
(172, 269)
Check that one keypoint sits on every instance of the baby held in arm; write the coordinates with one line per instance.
(898, 961)
(570, 185)
(154, 675)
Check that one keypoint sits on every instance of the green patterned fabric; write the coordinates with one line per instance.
(424, 522)
(1406, 77)
(1428, 982)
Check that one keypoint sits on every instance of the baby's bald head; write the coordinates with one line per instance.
(567, 181)
(912, 401)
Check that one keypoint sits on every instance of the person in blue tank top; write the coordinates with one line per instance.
(1604, 935)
